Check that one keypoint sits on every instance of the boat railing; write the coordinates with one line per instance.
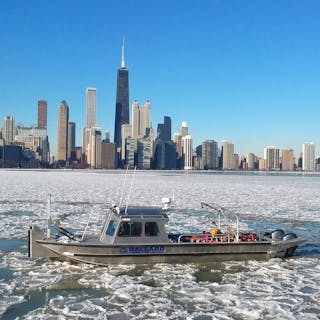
(222, 213)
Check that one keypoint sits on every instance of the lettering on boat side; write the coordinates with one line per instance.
(142, 250)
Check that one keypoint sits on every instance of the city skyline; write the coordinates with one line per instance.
(247, 73)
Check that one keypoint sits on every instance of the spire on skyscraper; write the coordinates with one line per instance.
(123, 64)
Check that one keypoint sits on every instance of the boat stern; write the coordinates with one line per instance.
(35, 249)
(286, 248)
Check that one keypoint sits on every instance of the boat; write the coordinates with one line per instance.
(137, 235)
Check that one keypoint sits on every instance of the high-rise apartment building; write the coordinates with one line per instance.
(8, 129)
(287, 159)
(228, 162)
(91, 106)
(187, 152)
(209, 154)
(122, 101)
(308, 156)
(272, 158)
(140, 120)
(63, 120)
(42, 114)
(71, 141)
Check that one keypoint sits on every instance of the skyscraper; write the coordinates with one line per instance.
(308, 156)
(94, 151)
(140, 120)
(164, 129)
(8, 130)
(177, 139)
(250, 160)
(287, 159)
(63, 119)
(122, 101)
(271, 156)
(209, 154)
(228, 162)
(144, 153)
(126, 132)
(91, 106)
(42, 114)
(187, 152)
(71, 140)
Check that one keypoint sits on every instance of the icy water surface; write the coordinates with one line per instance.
(274, 289)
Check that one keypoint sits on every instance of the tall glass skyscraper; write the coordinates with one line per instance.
(122, 101)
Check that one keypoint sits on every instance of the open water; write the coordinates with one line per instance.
(274, 289)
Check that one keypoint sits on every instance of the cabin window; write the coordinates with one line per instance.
(111, 228)
(151, 229)
(130, 229)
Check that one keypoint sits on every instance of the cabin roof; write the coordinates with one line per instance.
(143, 212)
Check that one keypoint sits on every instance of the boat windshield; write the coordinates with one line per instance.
(111, 228)
(130, 229)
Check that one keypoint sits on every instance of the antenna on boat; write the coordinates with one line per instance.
(124, 184)
(134, 171)
(49, 215)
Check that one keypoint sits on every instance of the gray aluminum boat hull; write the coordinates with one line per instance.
(100, 254)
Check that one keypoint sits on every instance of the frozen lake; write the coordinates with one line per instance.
(274, 289)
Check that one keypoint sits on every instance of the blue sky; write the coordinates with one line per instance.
(245, 71)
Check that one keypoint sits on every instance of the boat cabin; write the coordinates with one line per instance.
(135, 225)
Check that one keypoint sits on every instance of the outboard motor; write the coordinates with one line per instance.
(290, 236)
(277, 235)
